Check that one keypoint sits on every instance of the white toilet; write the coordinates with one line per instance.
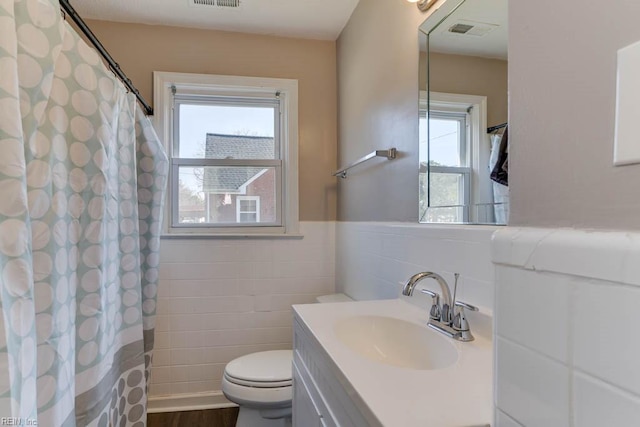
(261, 383)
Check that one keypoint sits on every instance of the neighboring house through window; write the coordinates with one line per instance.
(233, 148)
(226, 188)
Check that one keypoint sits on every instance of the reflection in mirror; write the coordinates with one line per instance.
(463, 94)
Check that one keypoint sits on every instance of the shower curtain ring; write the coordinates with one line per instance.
(113, 71)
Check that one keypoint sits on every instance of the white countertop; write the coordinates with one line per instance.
(460, 395)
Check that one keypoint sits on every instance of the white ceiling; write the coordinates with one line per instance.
(484, 13)
(312, 19)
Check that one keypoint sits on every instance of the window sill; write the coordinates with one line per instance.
(239, 236)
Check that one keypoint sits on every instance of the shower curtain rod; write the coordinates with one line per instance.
(113, 65)
(495, 128)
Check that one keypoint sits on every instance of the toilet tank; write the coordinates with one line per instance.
(333, 298)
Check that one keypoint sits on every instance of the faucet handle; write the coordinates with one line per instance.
(465, 305)
(434, 313)
(460, 322)
(430, 293)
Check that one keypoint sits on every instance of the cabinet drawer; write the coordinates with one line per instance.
(309, 408)
(335, 403)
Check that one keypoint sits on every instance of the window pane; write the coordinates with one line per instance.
(446, 197)
(448, 214)
(445, 189)
(248, 205)
(215, 195)
(445, 145)
(226, 132)
(191, 201)
(248, 217)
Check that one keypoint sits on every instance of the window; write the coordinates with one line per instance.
(248, 209)
(454, 158)
(449, 169)
(225, 148)
(232, 143)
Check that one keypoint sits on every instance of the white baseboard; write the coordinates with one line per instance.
(188, 402)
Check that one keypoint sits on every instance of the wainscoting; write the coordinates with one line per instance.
(566, 328)
(219, 299)
(374, 259)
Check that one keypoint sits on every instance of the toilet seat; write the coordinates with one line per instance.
(257, 384)
(257, 397)
(260, 379)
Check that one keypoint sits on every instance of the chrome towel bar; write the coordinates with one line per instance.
(389, 154)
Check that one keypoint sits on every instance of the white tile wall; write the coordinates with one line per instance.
(566, 324)
(524, 300)
(374, 258)
(220, 299)
(605, 333)
(600, 404)
(533, 389)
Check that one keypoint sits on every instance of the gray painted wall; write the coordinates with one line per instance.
(378, 109)
(562, 82)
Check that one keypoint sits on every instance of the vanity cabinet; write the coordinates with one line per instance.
(320, 396)
(423, 380)
(309, 406)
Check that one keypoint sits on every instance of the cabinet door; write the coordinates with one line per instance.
(305, 412)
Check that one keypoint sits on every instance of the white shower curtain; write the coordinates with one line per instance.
(82, 179)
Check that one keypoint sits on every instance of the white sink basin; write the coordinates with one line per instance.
(396, 342)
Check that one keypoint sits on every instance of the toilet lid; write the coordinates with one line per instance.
(265, 366)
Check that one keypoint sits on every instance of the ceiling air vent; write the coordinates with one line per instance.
(228, 3)
(471, 28)
(460, 28)
(218, 3)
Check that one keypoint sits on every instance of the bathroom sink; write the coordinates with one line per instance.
(396, 342)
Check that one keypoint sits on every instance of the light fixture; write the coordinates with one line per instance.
(423, 5)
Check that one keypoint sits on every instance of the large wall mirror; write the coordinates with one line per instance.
(463, 113)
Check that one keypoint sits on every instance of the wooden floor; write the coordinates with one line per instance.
(225, 417)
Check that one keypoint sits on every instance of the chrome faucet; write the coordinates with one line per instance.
(444, 310)
(441, 318)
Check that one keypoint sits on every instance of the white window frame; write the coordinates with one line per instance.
(479, 142)
(237, 87)
(240, 211)
(461, 116)
(276, 164)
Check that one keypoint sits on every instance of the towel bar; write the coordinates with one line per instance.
(389, 154)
